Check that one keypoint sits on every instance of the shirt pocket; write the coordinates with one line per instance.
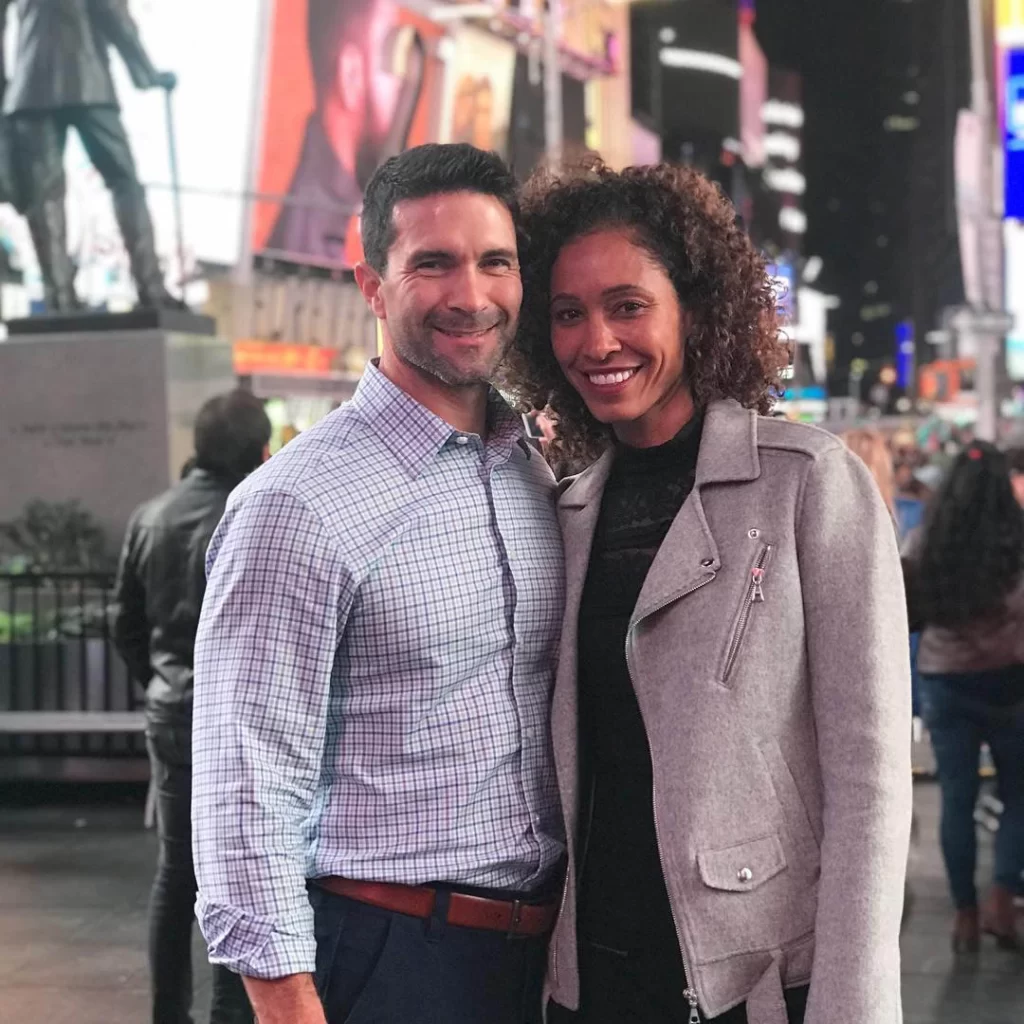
(754, 598)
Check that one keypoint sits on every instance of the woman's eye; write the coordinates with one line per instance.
(631, 307)
(567, 315)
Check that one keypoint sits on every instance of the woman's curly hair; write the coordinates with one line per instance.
(734, 349)
(972, 555)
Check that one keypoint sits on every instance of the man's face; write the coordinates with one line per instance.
(450, 295)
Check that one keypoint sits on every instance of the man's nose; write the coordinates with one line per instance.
(468, 291)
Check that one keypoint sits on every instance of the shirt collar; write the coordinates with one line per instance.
(414, 434)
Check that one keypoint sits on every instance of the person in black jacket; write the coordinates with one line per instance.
(159, 593)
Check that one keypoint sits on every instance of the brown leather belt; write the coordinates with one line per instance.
(513, 917)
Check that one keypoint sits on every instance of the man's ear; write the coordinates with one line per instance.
(369, 282)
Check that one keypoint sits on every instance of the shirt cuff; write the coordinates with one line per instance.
(253, 946)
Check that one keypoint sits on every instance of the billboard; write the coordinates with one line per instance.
(476, 105)
(1013, 134)
(348, 84)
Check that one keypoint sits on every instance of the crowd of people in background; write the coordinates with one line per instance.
(960, 516)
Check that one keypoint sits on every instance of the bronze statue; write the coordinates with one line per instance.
(62, 80)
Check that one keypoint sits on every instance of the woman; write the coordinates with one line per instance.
(966, 584)
(871, 446)
(731, 716)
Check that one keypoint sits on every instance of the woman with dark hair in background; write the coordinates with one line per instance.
(731, 714)
(966, 586)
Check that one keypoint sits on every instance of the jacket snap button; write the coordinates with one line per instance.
(708, 562)
(754, 534)
(745, 875)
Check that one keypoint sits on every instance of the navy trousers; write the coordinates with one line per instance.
(378, 967)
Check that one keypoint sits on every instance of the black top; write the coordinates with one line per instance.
(622, 898)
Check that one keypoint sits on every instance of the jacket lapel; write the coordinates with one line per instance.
(578, 509)
(689, 556)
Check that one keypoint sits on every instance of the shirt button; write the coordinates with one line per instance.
(745, 875)
(462, 439)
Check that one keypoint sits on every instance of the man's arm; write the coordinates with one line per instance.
(120, 29)
(272, 618)
(291, 1000)
(859, 666)
(131, 627)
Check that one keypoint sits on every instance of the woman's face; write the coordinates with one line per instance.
(618, 332)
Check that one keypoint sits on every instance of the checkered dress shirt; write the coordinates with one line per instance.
(373, 671)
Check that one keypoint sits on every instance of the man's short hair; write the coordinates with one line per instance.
(330, 24)
(430, 170)
(231, 432)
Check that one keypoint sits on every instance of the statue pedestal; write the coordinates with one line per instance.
(179, 321)
(103, 416)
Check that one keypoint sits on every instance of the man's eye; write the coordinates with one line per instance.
(428, 265)
(498, 262)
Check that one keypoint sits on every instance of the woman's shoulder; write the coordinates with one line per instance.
(776, 432)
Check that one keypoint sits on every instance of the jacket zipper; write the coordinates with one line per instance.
(561, 911)
(754, 595)
(690, 993)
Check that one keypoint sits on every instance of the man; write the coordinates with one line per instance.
(159, 594)
(374, 797)
(62, 80)
(362, 116)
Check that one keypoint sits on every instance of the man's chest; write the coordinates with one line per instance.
(473, 565)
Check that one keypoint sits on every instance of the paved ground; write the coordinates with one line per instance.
(74, 882)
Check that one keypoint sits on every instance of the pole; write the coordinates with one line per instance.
(172, 148)
(987, 347)
(553, 127)
(244, 270)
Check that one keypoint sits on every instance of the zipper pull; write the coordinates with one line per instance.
(757, 594)
(691, 997)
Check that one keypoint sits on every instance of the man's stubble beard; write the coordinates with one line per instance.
(420, 354)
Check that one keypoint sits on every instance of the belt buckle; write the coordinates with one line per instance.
(517, 914)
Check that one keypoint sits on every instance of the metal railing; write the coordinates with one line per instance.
(57, 654)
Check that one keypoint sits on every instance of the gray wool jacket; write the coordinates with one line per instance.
(774, 614)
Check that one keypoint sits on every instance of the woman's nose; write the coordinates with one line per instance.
(600, 342)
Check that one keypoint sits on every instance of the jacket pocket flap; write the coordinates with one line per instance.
(744, 867)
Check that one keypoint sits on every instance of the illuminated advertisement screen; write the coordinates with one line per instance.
(1013, 244)
(349, 84)
(1013, 117)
